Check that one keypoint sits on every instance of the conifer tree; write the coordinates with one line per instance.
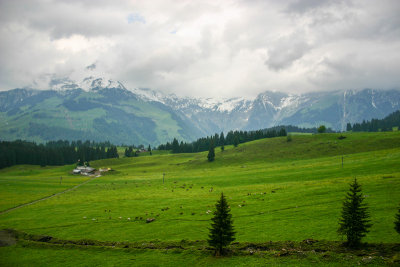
(354, 221)
(222, 139)
(175, 146)
(211, 152)
(397, 222)
(221, 231)
(236, 141)
(149, 149)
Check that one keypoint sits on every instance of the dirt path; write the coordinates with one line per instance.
(41, 199)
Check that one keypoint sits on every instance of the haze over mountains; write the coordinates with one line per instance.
(100, 109)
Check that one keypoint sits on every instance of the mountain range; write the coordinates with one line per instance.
(101, 109)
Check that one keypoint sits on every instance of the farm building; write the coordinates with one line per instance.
(83, 170)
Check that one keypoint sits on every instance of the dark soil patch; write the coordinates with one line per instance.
(7, 238)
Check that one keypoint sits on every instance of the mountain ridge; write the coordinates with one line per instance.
(103, 109)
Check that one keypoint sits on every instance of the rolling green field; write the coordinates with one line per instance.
(278, 191)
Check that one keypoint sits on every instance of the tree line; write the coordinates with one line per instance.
(376, 125)
(53, 152)
(232, 138)
(132, 151)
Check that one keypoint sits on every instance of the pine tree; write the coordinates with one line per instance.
(175, 146)
(221, 231)
(236, 141)
(354, 222)
(211, 152)
(222, 139)
(149, 149)
(397, 222)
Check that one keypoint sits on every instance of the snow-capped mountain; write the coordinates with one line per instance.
(334, 109)
(103, 109)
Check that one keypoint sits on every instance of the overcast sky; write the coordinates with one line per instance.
(203, 48)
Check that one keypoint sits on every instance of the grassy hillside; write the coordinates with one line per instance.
(112, 114)
(277, 190)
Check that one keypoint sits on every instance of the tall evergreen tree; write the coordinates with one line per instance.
(236, 141)
(354, 221)
(211, 152)
(149, 149)
(221, 231)
(397, 222)
(175, 146)
(221, 139)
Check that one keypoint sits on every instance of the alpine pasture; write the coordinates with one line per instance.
(277, 190)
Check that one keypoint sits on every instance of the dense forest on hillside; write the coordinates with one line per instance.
(65, 152)
(53, 153)
(375, 125)
(232, 138)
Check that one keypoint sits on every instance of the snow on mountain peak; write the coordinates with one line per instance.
(91, 83)
(149, 95)
(86, 84)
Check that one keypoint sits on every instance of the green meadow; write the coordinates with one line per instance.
(278, 191)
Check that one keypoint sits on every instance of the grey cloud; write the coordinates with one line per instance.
(302, 6)
(63, 19)
(286, 50)
(218, 48)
